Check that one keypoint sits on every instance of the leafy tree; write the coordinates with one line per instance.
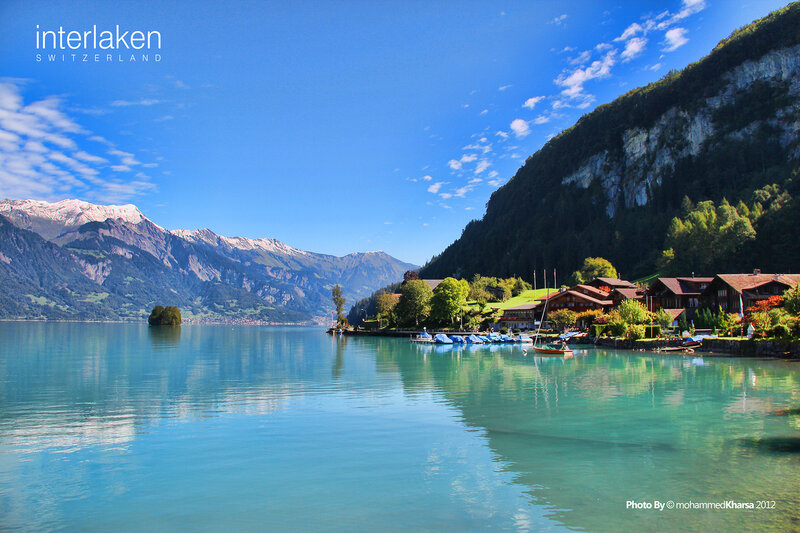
(448, 299)
(165, 316)
(662, 318)
(338, 302)
(520, 286)
(594, 267)
(385, 306)
(414, 304)
(791, 300)
(633, 312)
(563, 318)
(410, 275)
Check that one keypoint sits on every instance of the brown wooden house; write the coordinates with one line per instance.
(736, 292)
(674, 294)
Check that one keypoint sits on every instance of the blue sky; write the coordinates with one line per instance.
(332, 126)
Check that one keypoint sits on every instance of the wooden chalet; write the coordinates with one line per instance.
(580, 298)
(519, 317)
(677, 294)
(736, 292)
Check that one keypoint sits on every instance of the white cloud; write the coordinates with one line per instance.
(573, 80)
(630, 31)
(40, 156)
(502, 134)
(559, 20)
(482, 165)
(90, 158)
(434, 188)
(427, 178)
(454, 164)
(633, 48)
(581, 58)
(485, 111)
(541, 119)
(530, 103)
(520, 128)
(446, 195)
(142, 101)
(674, 39)
(504, 87)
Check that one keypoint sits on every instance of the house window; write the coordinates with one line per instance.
(693, 302)
(722, 293)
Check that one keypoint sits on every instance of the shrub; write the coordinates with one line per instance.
(636, 331)
(791, 300)
(598, 329)
(780, 331)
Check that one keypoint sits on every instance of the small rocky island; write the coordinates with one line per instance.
(165, 316)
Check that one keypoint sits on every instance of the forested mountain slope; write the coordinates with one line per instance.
(695, 172)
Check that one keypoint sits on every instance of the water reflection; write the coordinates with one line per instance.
(164, 337)
(577, 438)
(587, 434)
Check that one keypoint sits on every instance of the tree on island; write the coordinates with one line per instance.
(415, 299)
(165, 316)
(338, 301)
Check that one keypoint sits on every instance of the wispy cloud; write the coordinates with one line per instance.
(559, 20)
(42, 153)
(142, 101)
(530, 103)
(434, 188)
(633, 48)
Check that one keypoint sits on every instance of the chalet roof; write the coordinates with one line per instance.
(630, 294)
(681, 286)
(523, 307)
(613, 282)
(743, 282)
(675, 313)
(597, 293)
(586, 297)
(433, 283)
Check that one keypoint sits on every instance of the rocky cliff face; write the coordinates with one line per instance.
(722, 128)
(647, 155)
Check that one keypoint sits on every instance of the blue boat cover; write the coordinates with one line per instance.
(458, 339)
(474, 339)
(441, 338)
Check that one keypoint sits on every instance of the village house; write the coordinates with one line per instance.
(519, 317)
(677, 295)
(734, 293)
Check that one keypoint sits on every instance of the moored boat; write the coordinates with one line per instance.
(441, 338)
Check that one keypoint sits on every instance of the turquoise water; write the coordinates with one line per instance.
(219, 428)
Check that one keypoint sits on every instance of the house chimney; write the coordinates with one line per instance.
(692, 274)
(756, 271)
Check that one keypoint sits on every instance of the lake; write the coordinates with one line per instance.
(119, 427)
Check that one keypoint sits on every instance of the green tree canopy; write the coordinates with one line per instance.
(165, 316)
(338, 302)
(563, 318)
(633, 312)
(448, 299)
(593, 267)
(385, 306)
(415, 300)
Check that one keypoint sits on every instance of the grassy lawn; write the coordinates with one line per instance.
(526, 297)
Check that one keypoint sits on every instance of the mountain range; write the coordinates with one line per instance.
(76, 260)
(699, 171)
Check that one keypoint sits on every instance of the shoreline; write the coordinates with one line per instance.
(788, 351)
